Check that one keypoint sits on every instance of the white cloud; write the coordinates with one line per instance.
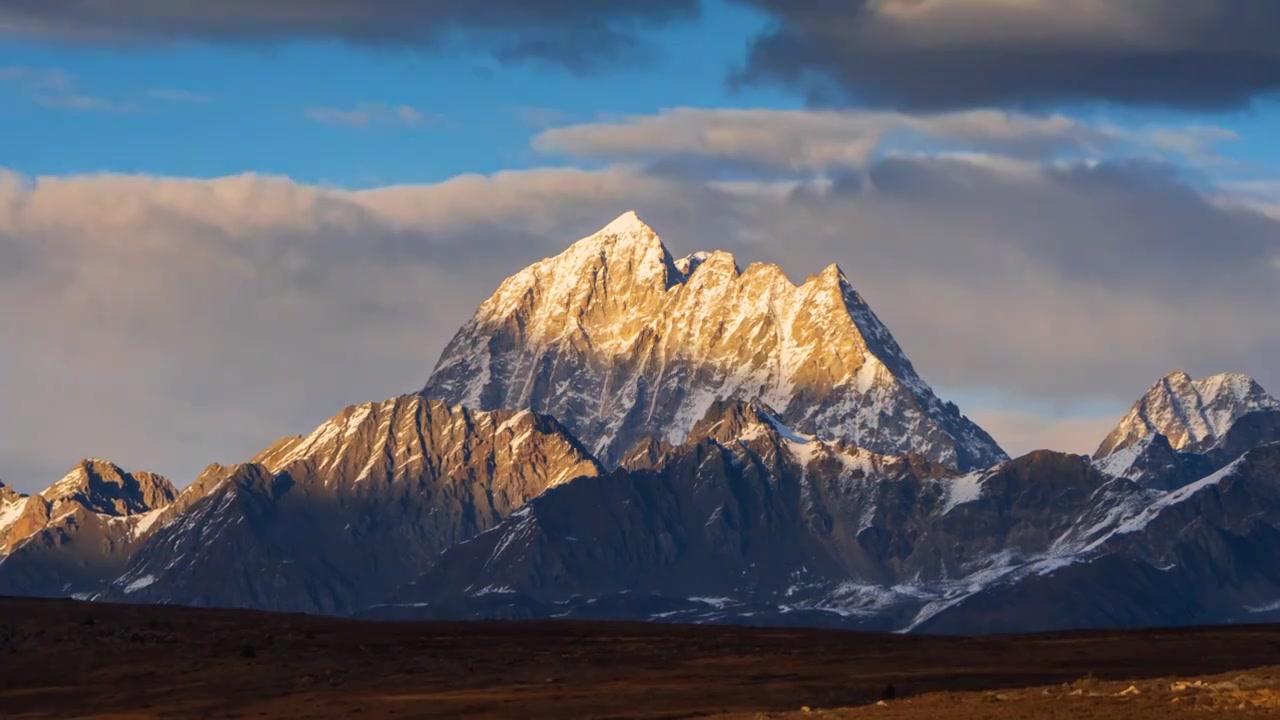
(813, 140)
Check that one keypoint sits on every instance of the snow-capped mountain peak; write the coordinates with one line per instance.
(620, 342)
(627, 225)
(1192, 414)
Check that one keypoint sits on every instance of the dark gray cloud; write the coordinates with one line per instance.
(933, 54)
(578, 33)
(912, 54)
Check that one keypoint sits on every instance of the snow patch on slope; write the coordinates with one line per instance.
(11, 512)
(141, 583)
(963, 489)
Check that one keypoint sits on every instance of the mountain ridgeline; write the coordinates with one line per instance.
(619, 434)
(623, 343)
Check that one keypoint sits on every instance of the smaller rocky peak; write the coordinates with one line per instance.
(689, 263)
(8, 494)
(210, 479)
(829, 292)
(770, 276)
(648, 454)
(1251, 430)
(831, 283)
(220, 481)
(1235, 388)
(831, 289)
(716, 264)
(1150, 462)
(833, 276)
(727, 421)
(1049, 468)
(103, 487)
(724, 421)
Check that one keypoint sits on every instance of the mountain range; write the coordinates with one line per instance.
(621, 434)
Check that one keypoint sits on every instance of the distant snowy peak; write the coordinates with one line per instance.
(1192, 414)
(621, 342)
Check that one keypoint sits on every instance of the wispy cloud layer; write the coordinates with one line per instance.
(178, 96)
(52, 88)
(806, 141)
(370, 114)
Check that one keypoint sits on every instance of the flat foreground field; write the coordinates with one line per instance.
(63, 659)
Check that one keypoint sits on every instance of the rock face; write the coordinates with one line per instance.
(334, 521)
(750, 522)
(1191, 414)
(76, 536)
(621, 342)
(1203, 554)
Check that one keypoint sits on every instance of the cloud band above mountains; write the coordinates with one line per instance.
(178, 322)
(909, 54)
(813, 141)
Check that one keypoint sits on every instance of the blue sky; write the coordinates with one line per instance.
(1036, 274)
(244, 108)
(204, 110)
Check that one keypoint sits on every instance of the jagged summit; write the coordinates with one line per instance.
(103, 487)
(620, 342)
(1192, 414)
(76, 535)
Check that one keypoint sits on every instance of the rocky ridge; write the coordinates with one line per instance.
(751, 522)
(335, 520)
(76, 535)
